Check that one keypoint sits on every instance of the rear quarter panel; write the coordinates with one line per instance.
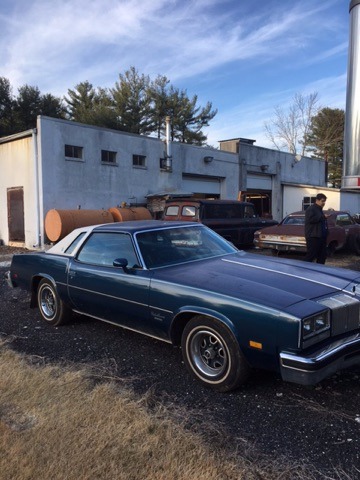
(28, 269)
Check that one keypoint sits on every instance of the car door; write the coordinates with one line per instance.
(251, 223)
(101, 290)
(346, 229)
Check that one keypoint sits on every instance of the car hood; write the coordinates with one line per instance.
(273, 282)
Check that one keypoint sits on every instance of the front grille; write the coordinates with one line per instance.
(345, 313)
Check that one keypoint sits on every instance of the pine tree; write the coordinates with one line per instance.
(326, 140)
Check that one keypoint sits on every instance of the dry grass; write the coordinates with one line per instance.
(58, 423)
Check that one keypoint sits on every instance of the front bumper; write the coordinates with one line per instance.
(281, 247)
(7, 276)
(312, 368)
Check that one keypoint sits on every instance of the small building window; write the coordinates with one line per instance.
(307, 201)
(73, 152)
(139, 161)
(108, 157)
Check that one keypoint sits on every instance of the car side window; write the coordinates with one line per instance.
(294, 221)
(172, 211)
(75, 243)
(249, 212)
(344, 219)
(188, 211)
(103, 248)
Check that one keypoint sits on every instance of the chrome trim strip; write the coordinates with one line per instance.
(119, 298)
(160, 309)
(282, 273)
(108, 296)
(123, 326)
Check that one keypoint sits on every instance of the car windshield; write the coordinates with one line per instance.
(171, 246)
(294, 221)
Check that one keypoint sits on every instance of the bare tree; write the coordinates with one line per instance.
(289, 129)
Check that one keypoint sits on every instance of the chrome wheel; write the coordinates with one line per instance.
(52, 308)
(47, 302)
(208, 352)
(212, 354)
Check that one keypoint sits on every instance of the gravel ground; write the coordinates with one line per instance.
(317, 425)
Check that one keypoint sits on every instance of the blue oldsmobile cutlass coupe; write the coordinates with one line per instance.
(184, 284)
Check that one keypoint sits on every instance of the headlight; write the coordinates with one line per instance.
(315, 324)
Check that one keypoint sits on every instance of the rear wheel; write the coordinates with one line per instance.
(52, 309)
(212, 354)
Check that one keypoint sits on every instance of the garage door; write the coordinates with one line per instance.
(259, 182)
(202, 185)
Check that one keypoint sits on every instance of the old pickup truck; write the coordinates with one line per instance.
(234, 220)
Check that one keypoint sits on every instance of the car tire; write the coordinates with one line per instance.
(52, 309)
(212, 354)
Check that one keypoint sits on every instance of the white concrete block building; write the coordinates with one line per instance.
(66, 165)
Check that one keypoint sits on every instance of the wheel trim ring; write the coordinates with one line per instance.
(48, 302)
(202, 370)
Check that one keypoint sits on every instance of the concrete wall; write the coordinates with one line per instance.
(89, 183)
(17, 170)
(188, 160)
(261, 164)
(309, 171)
(293, 197)
(93, 185)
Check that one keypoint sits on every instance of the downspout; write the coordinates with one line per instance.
(38, 243)
(168, 145)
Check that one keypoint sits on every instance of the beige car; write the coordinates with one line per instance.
(289, 234)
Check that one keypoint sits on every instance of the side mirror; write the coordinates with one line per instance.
(121, 263)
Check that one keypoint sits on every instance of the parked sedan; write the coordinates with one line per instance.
(184, 284)
(289, 235)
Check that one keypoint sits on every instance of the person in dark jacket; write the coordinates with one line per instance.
(316, 230)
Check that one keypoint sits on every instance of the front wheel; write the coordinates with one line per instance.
(212, 354)
(52, 309)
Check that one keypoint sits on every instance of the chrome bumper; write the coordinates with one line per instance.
(8, 279)
(311, 369)
(281, 247)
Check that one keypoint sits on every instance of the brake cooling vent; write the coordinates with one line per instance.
(345, 313)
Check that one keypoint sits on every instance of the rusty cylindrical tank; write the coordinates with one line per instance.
(130, 213)
(58, 223)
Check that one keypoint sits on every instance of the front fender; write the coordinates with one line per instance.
(185, 313)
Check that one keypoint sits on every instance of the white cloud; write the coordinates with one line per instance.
(55, 45)
(63, 39)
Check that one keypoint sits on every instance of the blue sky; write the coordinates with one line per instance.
(245, 56)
